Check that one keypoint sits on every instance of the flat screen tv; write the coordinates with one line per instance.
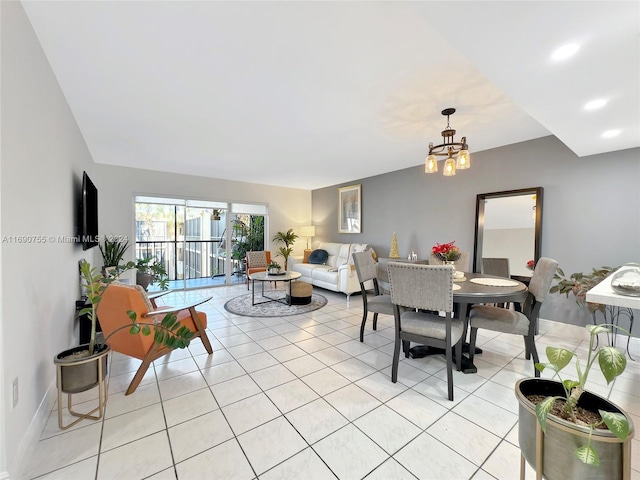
(88, 213)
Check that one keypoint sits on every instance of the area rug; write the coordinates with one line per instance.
(242, 305)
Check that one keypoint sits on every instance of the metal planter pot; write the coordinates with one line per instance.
(79, 374)
(558, 460)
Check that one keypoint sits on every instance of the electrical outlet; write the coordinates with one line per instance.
(15, 392)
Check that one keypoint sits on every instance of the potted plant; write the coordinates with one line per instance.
(274, 267)
(580, 283)
(85, 366)
(113, 249)
(447, 252)
(566, 431)
(288, 238)
(148, 272)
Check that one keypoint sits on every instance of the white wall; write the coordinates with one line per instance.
(43, 155)
(288, 207)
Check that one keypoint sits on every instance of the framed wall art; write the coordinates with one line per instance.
(349, 209)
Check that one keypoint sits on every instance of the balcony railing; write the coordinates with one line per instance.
(188, 259)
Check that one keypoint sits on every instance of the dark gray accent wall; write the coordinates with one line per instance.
(591, 208)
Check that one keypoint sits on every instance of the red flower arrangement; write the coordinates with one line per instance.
(447, 252)
(531, 264)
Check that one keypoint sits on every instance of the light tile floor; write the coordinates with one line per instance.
(300, 397)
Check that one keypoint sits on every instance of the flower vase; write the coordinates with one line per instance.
(452, 263)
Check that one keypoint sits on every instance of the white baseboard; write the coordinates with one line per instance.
(30, 439)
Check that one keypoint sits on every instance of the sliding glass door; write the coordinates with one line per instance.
(201, 243)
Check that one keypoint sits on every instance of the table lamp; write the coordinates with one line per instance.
(308, 231)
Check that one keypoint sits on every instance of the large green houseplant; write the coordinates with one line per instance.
(571, 418)
(288, 238)
(247, 236)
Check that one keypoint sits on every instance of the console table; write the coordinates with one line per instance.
(617, 305)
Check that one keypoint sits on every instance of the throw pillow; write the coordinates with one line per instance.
(318, 257)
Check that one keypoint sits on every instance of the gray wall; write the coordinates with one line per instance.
(591, 211)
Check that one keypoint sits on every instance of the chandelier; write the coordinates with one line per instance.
(448, 148)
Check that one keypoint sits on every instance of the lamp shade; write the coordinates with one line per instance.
(463, 160)
(308, 231)
(431, 164)
(449, 167)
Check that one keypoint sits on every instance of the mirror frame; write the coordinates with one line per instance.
(479, 231)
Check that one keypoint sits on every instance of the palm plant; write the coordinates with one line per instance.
(288, 238)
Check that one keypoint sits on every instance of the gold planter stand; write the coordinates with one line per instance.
(95, 368)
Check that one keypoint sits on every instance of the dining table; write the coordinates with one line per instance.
(472, 288)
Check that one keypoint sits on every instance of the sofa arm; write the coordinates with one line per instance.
(294, 260)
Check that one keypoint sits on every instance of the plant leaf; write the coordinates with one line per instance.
(596, 329)
(146, 330)
(135, 329)
(570, 384)
(543, 409)
(612, 362)
(132, 315)
(588, 455)
(617, 423)
(559, 357)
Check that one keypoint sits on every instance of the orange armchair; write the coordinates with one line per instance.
(257, 262)
(112, 310)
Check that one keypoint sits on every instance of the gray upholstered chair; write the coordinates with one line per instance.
(366, 269)
(414, 289)
(498, 267)
(518, 323)
(462, 264)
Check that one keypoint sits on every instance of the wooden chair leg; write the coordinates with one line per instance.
(396, 359)
(531, 347)
(449, 355)
(406, 344)
(364, 321)
(146, 361)
(201, 330)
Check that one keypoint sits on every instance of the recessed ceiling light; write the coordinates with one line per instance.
(595, 104)
(565, 51)
(611, 133)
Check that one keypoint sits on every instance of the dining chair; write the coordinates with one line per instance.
(518, 323)
(366, 270)
(418, 293)
(498, 267)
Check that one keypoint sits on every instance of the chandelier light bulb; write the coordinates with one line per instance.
(463, 160)
(449, 167)
(431, 164)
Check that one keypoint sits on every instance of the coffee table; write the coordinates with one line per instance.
(264, 277)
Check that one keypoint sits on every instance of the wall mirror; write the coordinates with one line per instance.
(509, 225)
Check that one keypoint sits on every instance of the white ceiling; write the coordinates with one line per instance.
(311, 94)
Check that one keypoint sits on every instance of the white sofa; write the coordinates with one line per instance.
(338, 274)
